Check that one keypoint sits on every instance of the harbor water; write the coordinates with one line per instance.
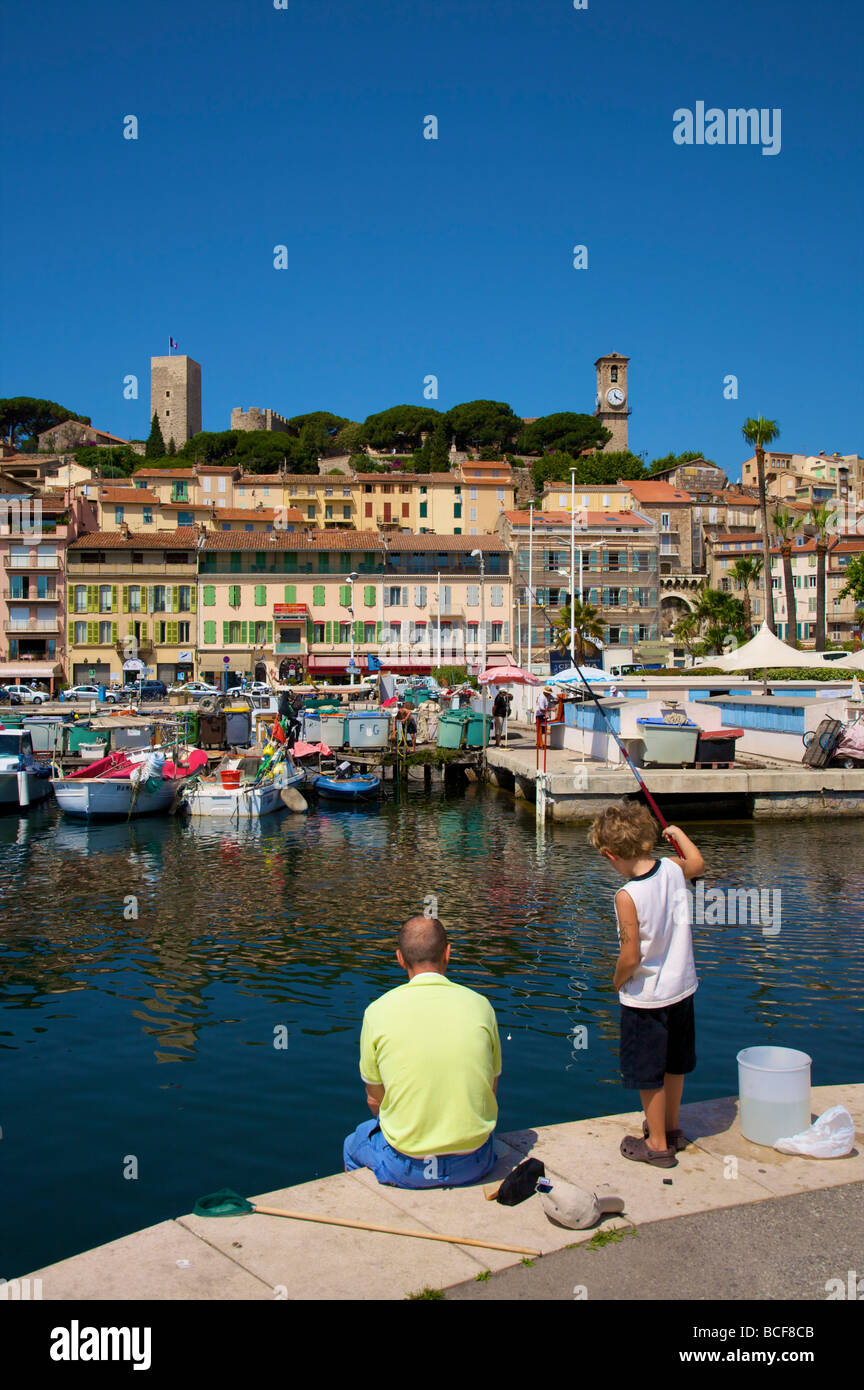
(180, 1003)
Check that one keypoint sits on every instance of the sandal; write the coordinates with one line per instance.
(675, 1138)
(637, 1148)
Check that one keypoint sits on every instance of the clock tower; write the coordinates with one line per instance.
(613, 407)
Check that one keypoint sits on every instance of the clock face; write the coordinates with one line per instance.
(615, 396)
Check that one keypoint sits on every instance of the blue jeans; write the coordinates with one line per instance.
(367, 1148)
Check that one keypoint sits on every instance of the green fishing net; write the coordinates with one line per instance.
(222, 1203)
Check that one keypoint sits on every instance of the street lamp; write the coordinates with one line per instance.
(480, 556)
(351, 578)
(568, 574)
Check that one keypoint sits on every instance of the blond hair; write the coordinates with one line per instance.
(627, 831)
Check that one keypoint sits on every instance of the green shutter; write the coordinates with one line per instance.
(234, 595)
(210, 633)
(125, 598)
(113, 598)
(92, 634)
(114, 633)
(225, 630)
(236, 560)
(209, 595)
(269, 633)
(318, 596)
(70, 598)
(328, 632)
(345, 595)
(175, 598)
(358, 631)
(378, 627)
(150, 598)
(243, 637)
(260, 595)
(143, 632)
(310, 630)
(369, 595)
(290, 593)
(291, 560)
(193, 598)
(92, 598)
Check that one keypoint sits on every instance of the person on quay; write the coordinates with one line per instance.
(500, 711)
(430, 1059)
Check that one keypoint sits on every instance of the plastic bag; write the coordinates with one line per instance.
(831, 1136)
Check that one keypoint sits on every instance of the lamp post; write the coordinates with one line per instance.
(351, 579)
(480, 556)
(568, 574)
(530, 575)
(573, 556)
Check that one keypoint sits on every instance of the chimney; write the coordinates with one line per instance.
(124, 530)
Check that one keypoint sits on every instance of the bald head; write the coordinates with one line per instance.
(422, 941)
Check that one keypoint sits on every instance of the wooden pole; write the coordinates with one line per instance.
(392, 1230)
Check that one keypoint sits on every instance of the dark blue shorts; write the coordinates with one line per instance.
(657, 1041)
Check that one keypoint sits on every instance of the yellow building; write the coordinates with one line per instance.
(131, 596)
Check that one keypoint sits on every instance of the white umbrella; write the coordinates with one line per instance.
(586, 673)
(762, 652)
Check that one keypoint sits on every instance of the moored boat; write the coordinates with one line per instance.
(23, 780)
(122, 786)
(345, 788)
(235, 797)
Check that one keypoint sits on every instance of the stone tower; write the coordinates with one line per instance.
(175, 396)
(613, 407)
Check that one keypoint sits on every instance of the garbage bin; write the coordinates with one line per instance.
(474, 728)
(451, 729)
(717, 746)
(238, 726)
(211, 730)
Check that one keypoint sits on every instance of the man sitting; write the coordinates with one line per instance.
(430, 1058)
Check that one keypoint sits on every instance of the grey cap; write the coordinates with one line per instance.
(577, 1209)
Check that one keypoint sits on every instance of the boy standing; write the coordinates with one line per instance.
(655, 974)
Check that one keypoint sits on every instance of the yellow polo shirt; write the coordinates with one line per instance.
(433, 1045)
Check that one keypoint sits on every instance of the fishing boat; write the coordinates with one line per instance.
(242, 788)
(23, 780)
(355, 788)
(124, 785)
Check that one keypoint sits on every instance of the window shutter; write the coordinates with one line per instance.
(269, 633)
(209, 595)
(175, 598)
(506, 633)
(358, 631)
(114, 634)
(345, 595)
(70, 598)
(260, 595)
(318, 596)
(405, 595)
(143, 632)
(92, 634)
(193, 598)
(369, 595)
(328, 632)
(488, 633)
(113, 598)
(419, 596)
(378, 627)
(290, 593)
(150, 599)
(243, 636)
(173, 634)
(210, 632)
(473, 597)
(497, 596)
(310, 630)
(225, 632)
(92, 598)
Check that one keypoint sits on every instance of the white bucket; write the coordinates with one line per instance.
(774, 1093)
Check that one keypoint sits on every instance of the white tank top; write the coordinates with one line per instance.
(666, 972)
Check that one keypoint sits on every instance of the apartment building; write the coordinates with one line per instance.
(131, 596)
(298, 605)
(35, 535)
(810, 478)
(724, 550)
(620, 557)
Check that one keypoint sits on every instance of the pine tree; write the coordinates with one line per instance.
(439, 451)
(155, 446)
(172, 447)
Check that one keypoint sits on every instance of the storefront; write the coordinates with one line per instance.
(47, 674)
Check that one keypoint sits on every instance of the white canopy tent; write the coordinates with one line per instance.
(765, 651)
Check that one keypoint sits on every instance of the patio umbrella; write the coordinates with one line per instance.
(581, 673)
(508, 675)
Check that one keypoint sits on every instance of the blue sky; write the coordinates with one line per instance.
(409, 257)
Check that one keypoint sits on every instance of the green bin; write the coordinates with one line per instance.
(451, 727)
(82, 733)
(474, 729)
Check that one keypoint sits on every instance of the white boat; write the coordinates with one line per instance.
(112, 797)
(18, 786)
(207, 796)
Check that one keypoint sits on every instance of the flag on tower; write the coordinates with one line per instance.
(172, 344)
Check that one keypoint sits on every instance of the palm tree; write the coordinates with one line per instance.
(686, 631)
(586, 627)
(760, 432)
(719, 615)
(747, 571)
(819, 522)
(785, 524)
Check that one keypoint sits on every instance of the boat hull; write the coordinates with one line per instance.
(38, 787)
(239, 803)
(349, 789)
(112, 798)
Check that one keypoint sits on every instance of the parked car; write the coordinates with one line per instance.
(90, 692)
(8, 697)
(151, 690)
(259, 688)
(195, 688)
(27, 694)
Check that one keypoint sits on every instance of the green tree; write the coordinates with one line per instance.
(23, 418)
(759, 432)
(854, 575)
(686, 631)
(482, 425)
(676, 460)
(319, 430)
(172, 447)
(110, 463)
(565, 431)
(400, 427)
(747, 571)
(350, 439)
(785, 525)
(587, 629)
(155, 446)
(439, 449)
(596, 470)
(819, 523)
(720, 616)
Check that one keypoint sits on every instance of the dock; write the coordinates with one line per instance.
(258, 1257)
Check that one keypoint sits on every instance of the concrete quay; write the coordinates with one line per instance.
(571, 789)
(261, 1257)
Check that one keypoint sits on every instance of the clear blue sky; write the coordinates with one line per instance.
(410, 257)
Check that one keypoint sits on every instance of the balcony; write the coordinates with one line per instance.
(17, 627)
(290, 648)
(31, 562)
(52, 596)
(125, 649)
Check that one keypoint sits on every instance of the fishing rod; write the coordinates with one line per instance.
(625, 755)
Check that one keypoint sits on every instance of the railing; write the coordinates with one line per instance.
(31, 562)
(52, 596)
(31, 625)
(290, 648)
